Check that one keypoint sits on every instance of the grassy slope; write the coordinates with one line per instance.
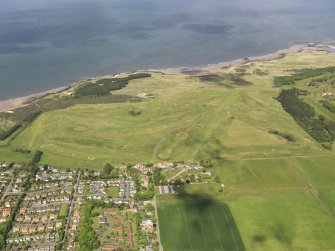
(281, 194)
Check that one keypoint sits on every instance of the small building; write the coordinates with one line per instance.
(328, 94)
(147, 225)
(6, 212)
(165, 165)
(23, 210)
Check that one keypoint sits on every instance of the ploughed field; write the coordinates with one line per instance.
(274, 155)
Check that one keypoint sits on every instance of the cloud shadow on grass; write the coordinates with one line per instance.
(203, 205)
(229, 80)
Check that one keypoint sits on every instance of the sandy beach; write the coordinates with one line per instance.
(11, 104)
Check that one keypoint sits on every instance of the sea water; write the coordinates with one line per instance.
(47, 44)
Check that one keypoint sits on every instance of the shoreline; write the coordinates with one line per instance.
(13, 103)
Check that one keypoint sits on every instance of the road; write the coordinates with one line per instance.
(160, 247)
(107, 231)
(50, 190)
(69, 216)
(5, 193)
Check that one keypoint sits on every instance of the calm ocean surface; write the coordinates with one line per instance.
(46, 44)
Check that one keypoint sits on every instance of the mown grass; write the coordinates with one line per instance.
(283, 221)
(64, 210)
(6, 154)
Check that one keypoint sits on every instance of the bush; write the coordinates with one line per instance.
(206, 163)
(134, 113)
(36, 158)
(286, 136)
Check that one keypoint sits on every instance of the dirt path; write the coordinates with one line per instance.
(285, 157)
(177, 174)
(160, 247)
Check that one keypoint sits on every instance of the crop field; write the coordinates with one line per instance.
(198, 226)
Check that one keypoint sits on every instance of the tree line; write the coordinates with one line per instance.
(301, 75)
(5, 134)
(105, 86)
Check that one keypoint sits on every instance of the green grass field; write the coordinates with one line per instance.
(64, 210)
(277, 204)
(283, 221)
(282, 203)
(6, 154)
(112, 191)
(215, 120)
(198, 226)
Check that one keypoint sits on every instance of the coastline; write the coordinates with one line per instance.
(13, 103)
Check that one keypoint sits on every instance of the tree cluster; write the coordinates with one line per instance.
(85, 235)
(328, 105)
(326, 79)
(134, 113)
(104, 87)
(30, 117)
(158, 178)
(301, 75)
(142, 194)
(207, 163)
(318, 127)
(109, 171)
(20, 150)
(6, 226)
(36, 158)
(5, 134)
